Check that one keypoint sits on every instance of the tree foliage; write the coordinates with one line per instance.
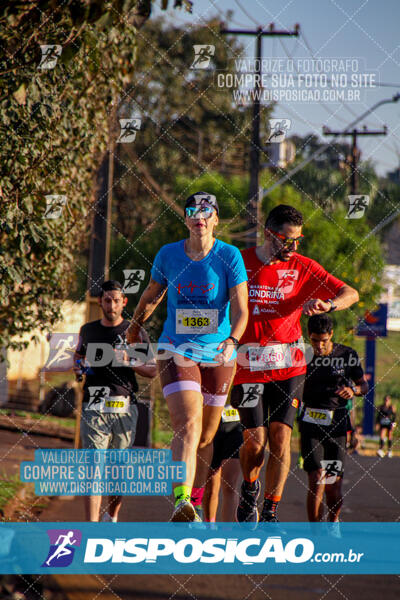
(190, 125)
(53, 130)
(192, 137)
(326, 179)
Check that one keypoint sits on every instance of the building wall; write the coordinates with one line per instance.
(27, 363)
(3, 379)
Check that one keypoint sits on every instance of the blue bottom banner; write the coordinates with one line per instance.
(157, 548)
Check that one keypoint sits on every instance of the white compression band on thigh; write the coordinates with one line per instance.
(181, 386)
(214, 399)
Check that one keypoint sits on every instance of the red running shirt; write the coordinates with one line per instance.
(277, 294)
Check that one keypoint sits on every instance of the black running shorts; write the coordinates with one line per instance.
(227, 443)
(317, 445)
(260, 404)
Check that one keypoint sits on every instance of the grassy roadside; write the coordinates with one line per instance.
(387, 375)
(18, 500)
(61, 421)
(10, 485)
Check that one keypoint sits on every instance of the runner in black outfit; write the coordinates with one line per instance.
(385, 423)
(334, 376)
(109, 410)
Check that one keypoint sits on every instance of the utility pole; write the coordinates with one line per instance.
(355, 153)
(370, 342)
(253, 201)
(99, 253)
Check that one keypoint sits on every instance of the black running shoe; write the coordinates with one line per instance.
(267, 516)
(247, 510)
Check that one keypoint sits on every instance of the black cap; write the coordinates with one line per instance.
(200, 198)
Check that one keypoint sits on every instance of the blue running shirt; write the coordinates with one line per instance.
(198, 297)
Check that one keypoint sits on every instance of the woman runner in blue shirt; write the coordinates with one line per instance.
(206, 317)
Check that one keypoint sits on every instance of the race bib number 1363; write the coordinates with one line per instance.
(198, 321)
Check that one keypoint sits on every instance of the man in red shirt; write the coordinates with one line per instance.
(269, 380)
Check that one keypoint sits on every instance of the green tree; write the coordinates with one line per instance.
(326, 179)
(190, 125)
(53, 131)
(192, 137)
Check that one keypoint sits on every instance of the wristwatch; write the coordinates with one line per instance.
(234, 340)
(333, 305)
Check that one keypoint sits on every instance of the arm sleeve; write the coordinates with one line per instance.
(320, 283)
(158, 269)
(236, 269)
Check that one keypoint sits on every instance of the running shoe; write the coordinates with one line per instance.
(333, 529)
(184, 512)
(390, 454)
(247, 510)
(198, 520)
(199, 512)
(267, 516)
(107, 518)
(381, 453)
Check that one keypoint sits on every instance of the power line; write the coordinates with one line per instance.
(344, 104)
(305, 162)
(247, 14)
(355, 153)
(312, 53)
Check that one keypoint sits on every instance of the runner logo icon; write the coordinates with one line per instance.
(133, 279)
(357, 206)
(50, 54)
(287, 279)
(98, 396)
(331, 470)
(61, 352)
(54, 206)
(129, 128)
(62, 547)
(251, 394)
(202, 56)
(278, 130)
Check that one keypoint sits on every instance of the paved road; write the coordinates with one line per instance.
(16, 447)
(372, 493)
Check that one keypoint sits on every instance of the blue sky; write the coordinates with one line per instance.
(363, 29)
